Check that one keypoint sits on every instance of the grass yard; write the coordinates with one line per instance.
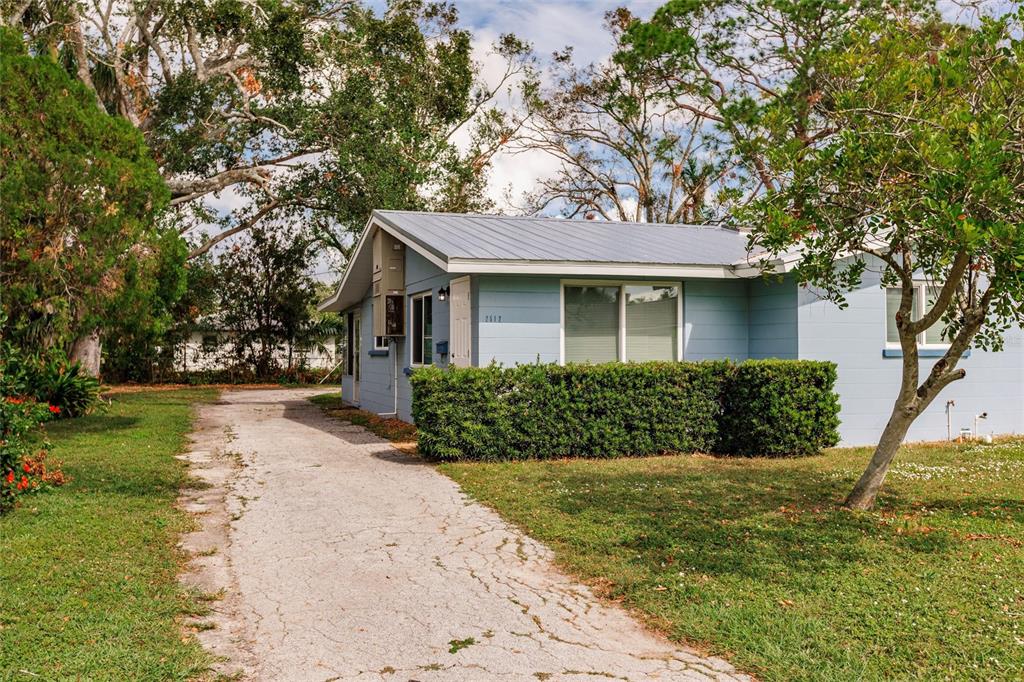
(88, 586)
(752, 559)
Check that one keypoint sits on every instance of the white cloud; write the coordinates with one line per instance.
(549, 27)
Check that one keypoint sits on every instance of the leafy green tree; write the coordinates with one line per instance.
(923, 176)
(265, 297)
(140, 323)
(315, 111)
(750, 71)
(285, 110)
(79, 191)
(401, 90)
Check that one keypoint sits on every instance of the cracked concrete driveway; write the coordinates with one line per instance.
(341, 558)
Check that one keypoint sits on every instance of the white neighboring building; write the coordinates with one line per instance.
(205, 350)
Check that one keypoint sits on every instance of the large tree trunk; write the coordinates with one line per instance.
(863, 495)
(86, 351)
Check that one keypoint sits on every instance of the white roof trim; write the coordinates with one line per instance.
(568, 268)
(325, 305)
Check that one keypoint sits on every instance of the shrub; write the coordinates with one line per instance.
(241, 374)
(64, 385)
(776, 408)
(19, 441)
(50, 378)
(23, 447)
(615, 409)
(545, 411)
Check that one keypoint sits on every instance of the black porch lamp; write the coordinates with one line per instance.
(442, 293)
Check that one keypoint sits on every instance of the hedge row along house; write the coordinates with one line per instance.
(470, 290)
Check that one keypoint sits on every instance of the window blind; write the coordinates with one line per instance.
(591, 324)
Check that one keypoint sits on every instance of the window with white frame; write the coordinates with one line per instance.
(924, 299)
(422, 339)
(633, 322)
(381, 342)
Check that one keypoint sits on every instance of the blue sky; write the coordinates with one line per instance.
(549, 25)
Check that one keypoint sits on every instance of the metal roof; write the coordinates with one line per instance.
(457, 237)
(462, 243)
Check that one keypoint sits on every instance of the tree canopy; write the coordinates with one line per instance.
(314, 111)
(80, 193)
(265, 297)
(750, 71)
(924, 178)
(626, 150)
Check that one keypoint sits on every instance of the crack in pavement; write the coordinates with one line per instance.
(341, 558)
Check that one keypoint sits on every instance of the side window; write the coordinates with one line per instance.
(924, 298)
(422, 338)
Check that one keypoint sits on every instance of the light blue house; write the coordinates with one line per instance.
(432, 288)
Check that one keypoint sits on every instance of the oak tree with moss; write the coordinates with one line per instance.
(287, 110)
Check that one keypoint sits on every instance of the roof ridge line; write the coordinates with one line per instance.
(700, 226)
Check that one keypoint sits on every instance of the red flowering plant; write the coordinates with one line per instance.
(22, 450)
(23, 446)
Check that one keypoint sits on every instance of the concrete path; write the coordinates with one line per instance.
(341, 559)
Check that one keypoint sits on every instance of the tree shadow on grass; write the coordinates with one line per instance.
(93, 423)
(747, 524)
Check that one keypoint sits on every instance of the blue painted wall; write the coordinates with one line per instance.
(376, 383)
(517, 319)
(715, 319)
(868, 383)
(382, 375)
(773, 319)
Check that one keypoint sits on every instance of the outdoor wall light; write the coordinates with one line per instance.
(442, 293)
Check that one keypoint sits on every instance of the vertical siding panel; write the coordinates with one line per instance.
(517, 319)
(773, 318)
(716, 319)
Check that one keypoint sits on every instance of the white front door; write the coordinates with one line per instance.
(460, 332)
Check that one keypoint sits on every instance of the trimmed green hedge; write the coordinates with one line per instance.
(766, 407)
(778, 408)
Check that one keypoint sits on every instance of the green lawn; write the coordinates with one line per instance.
(753, 560)
(88, 585)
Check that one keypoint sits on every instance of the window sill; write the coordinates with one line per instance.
(379, 353)
(921, 353)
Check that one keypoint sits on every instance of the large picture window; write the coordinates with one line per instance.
(591, 324)
(924, 299)
(630, 322)
(422, 330)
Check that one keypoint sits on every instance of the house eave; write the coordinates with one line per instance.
(582, 268)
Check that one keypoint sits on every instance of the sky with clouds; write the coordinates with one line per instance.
(548, 26)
